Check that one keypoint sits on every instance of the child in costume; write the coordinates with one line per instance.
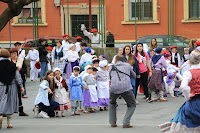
(90, 97)
(103, 85)
(61, 93)
(170, 84)
(76, 95)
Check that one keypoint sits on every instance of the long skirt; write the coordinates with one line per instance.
(103, 93)
(9, 103)
(155, 81)
(86, 99)
(187, 119)
(59, 65)
(62, 97)
(69, 69)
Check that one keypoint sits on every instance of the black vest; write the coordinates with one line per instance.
(176, 59)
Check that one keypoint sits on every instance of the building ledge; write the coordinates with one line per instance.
(19, 24)
(141, 22)
(190, 21)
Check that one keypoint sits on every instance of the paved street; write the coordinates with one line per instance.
(145, 119)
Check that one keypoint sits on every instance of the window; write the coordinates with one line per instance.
(27, 14)
(194, 9)
(143, 10)
(77, 20)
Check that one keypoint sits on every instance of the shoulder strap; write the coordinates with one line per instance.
(114, 68)
(20, 52)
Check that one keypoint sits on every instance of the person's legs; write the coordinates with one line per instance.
(32, 72)
(9, 120)
(133, 85)
(112, 108)
(136, 87)
(1, 121)
(171, 89)
(53, 106)
(131, 105)
(42, 72)
(144, 81)
(24, 84)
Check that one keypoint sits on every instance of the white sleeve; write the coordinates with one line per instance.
(53, 54)
(81, 61)
(187, 77)
(28, 55)
(88, 34)
(179, 60)
(22, 54)
(185, 64)
(113, 61)
(38, 58)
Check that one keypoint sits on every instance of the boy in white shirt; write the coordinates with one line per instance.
(33, 55)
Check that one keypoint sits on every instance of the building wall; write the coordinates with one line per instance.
(20, 33)
(114, 22)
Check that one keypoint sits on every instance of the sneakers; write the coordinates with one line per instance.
(36, 111)
(43, 114)
(136, 102)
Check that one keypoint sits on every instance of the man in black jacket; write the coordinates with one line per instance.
(43, 57)
(110, 41)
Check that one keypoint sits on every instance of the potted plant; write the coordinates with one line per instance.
(30, 19)
(20, 20)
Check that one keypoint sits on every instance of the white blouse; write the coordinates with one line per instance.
(72, 56)
(187, 77)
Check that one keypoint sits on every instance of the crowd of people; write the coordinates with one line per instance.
(72, 77)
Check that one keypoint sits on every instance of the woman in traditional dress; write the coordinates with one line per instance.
(22, 68)
(156, 82)
(9, 80)
(73, 60)
(187, 119)
(58, 56)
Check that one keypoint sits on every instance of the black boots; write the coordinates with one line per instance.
(21, 112)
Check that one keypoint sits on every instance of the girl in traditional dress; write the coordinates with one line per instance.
(169, 83)
(9, 80)
(187, 119)
(90, 97)
(103, 85)
(72, 58)
(57, 56)
(44, 101)
(156, 82)
(76, 95)
(102, 57)
(85, 57)
(61, 93)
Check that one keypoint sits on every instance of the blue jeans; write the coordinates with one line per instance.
(133, 84)
(44, 68)
(49, 109)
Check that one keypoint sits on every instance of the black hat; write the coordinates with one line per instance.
(19, 43)
(94, 69)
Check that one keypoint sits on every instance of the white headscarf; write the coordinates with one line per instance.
(103, 63)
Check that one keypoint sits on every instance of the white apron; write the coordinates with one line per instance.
(61, 96)
(93, 93)
(103, 89)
